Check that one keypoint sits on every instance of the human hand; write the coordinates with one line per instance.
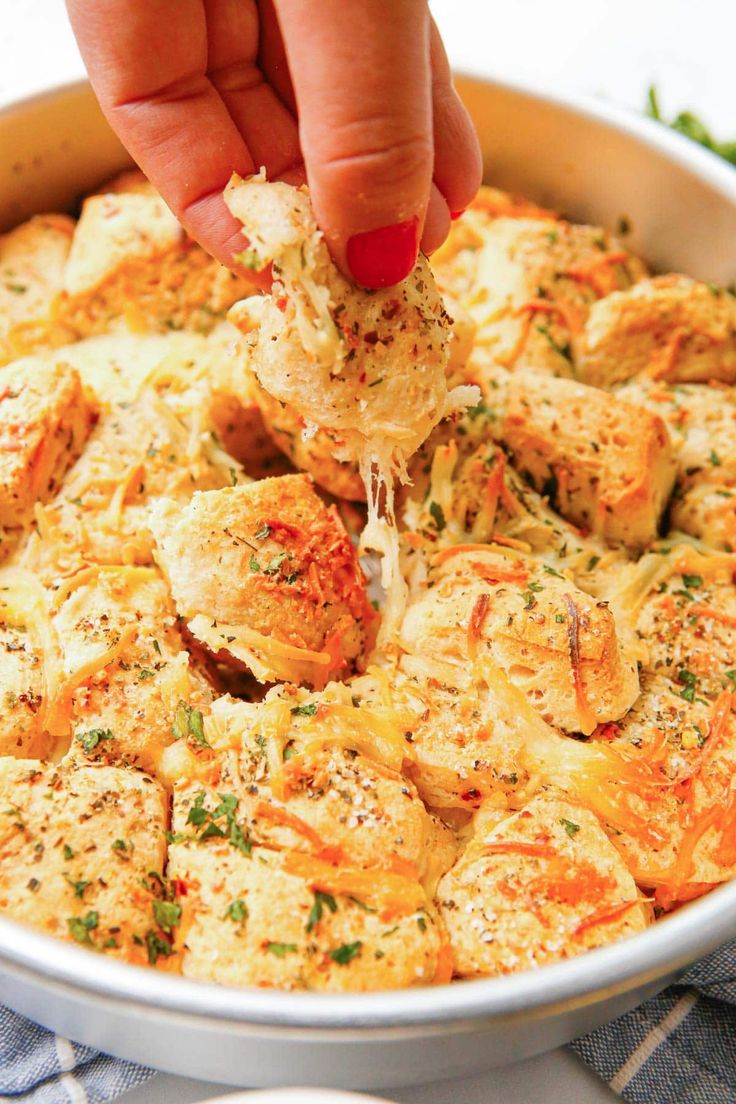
(353, 96)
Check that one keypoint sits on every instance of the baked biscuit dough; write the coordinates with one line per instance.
(543, 885)
(607, 464)
(32, 262)
(45, 419)
(671, 327)
(266, 574)
(82, 853)
(555, 642)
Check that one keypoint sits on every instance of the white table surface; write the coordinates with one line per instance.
(600, 47)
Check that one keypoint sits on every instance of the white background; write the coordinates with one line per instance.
(608, 48)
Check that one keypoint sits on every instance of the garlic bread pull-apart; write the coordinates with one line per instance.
(606, 464)
(370, 366)
(530, 283)
(543, 885)
(688, 803)
(265, 575)
(701, 418)
(82, 854)
(670, 327)
(259, 917)
(33, 257)
(299, 843)
(555, 642)
(45, 418)
(323, 773)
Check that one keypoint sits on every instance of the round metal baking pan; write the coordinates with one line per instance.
(593, 163)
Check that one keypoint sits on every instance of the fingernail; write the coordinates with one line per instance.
(379, 258)
(456, 214)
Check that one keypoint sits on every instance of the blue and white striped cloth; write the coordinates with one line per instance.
(677, 1048)
(680, 1046)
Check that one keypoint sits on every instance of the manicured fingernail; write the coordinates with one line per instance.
(456, 214)
(379, 258)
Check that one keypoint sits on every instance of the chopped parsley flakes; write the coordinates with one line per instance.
(346, 952)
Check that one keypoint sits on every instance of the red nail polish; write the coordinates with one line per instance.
(379, 258)
(456, 214)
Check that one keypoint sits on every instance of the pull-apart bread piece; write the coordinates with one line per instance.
(130, 260)
(606, 464)
(685, 844)
(543, 885)
(556, 643)
(464, 491)
(370, 366)
(476, 741)
(321, 774)
(683, 606)
(32, 261)
(138, 451)
(533, 284)
(27, 653)
(45, 418)
(672, 327)
(82, 855)
(701, 419)
(253, 916)
(266, 575)
(301, 852)
(455, 263)
(125, 676)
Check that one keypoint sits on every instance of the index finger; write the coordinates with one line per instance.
(149, 71)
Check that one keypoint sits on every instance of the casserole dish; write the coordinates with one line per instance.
(592, 164)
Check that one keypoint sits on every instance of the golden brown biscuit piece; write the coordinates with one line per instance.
(701, 419)
(125, 676)
(256, 916)
(555, 642)
(32, 261)
(138, 451)
(671, 327)
(543, 885)
(45, 418)
(606, 464)
(322, 774)
(82, 854)
(131, 260)
(464, 491)
(28, 652)
(688, 745)
(368, 365)
(683, 604)
(455, 263)
(533, 284)
(266, 574)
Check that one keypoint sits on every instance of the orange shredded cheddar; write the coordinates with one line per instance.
(392, 894)
(587, 718)
(605, 915)
(598, 275)
(477, 619)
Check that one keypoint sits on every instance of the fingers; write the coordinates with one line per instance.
(362, 80)
(437, 222)
(148, 71)
(266, 124)
(272, 56)
(458, 165)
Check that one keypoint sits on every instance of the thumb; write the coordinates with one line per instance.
(362, 80)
